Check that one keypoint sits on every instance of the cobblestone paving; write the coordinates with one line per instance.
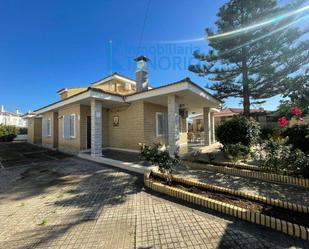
(72, 203)
(285, 192)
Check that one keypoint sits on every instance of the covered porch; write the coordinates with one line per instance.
(177, 101)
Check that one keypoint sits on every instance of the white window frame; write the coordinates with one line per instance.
(157, 124)
(48, 127)
(74, 126)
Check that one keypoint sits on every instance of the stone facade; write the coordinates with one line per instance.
(72, 144)
(96, 128)
(52, 140)
(212, 127)
(173, 124)
(137, 124)
(207, 126)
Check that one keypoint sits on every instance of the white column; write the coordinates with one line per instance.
(207, 126)
(212, 124)
(96, 128)
(173, 124)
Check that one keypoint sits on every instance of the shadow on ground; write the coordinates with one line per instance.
(76, 203)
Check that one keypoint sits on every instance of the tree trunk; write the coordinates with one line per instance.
(245, 78)
(245, 82)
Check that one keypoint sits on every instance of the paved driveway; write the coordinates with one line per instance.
(72, 203)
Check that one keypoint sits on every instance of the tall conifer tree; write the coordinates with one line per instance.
(254, 63)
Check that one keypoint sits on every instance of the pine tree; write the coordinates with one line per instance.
(297, 90)
(253, 63)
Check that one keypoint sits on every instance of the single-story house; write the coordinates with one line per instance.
(120, 113)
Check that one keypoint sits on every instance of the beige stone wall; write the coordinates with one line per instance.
(34, 130)
(150, 123)
(72, 144)
(137, 124)
(30, 132)
(117, 86)
(55, 129)
(131, 126)
(84, 112)
(105, 127)
(114, 86)
(51, 141)
(72, 91)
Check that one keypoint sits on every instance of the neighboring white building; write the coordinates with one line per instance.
(12, 118)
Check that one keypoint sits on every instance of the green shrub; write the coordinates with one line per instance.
(268, 132)
(298, 136)
(274, 155)
(239, 129)
(299, 163)
(8, 133)
(280, 158)
(160, 157)
(237, 152)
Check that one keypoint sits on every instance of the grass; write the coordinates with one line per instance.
(43, 223)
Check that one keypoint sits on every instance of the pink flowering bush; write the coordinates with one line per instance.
(296, 112)
(283, 121)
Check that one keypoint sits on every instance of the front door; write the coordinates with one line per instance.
(88, 132)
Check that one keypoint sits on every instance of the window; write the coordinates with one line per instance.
(72, 125)
(48, 127)
(159, 124)
(69, 126)
(127, 86)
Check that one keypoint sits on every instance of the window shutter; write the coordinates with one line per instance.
(44, 133)
(66, 126)
(72, 125)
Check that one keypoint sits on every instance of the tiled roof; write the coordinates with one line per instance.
(234, 111)
(240, 110)
(124, 96)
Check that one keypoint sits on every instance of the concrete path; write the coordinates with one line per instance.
(295, 194)
(73, 203)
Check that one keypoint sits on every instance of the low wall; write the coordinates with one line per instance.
(241, 213)
(249, 173)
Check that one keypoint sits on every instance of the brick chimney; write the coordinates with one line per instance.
(141, 74)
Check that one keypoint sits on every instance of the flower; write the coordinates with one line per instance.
(296, 111)
(162, 148)
(283, 121)
(301, 120)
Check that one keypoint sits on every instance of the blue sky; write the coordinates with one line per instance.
(47, 45)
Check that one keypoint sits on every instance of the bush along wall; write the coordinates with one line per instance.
(298, 137)
(238, 130)
(8, 133)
